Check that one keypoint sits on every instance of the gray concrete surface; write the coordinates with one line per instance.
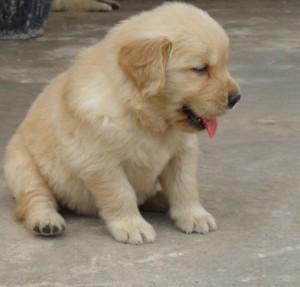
(250, 172)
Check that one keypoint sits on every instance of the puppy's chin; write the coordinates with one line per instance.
(180, 122)
(187, 128)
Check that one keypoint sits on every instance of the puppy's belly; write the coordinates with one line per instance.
(144, 181)
(79, 200)
(71, 193)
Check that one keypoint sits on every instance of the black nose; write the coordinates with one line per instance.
(233, 99)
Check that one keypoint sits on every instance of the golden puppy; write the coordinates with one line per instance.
(123, 120)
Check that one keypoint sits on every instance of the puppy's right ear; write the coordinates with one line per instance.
(144, 62)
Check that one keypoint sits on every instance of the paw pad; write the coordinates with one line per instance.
(48, 230)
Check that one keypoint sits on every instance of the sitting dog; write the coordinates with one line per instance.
(123, 120)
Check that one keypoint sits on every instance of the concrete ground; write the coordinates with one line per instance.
(250, 173)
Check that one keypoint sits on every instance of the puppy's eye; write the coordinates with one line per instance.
(201, 69)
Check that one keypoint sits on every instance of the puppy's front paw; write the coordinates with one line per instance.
(134, 230)
(194, 220)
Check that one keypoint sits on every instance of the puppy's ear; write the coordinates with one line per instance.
(144, 62)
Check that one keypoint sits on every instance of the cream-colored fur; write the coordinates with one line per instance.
(104, 134)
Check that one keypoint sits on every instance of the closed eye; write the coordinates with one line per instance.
(201, 69)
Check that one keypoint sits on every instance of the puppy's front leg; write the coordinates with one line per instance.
(116, 200)
(179, 181)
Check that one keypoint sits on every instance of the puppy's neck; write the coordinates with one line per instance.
(148, 118)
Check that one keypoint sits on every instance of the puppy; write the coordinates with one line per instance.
(121, 121)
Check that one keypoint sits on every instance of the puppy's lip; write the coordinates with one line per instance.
(200, 123)
(192, 118)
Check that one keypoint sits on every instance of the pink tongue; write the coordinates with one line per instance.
(211, 126)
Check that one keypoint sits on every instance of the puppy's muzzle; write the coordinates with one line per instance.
(233, 99)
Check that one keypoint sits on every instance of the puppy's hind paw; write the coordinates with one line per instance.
(132, 230)
(46, 224)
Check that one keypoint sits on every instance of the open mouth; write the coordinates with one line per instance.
(200, 123)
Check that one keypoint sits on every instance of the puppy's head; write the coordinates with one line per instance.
(182, 67)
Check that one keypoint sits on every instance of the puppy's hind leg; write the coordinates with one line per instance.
(36, 205)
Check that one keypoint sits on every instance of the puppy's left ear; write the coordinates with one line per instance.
(144, 62)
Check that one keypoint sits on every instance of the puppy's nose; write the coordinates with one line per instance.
(233, 98)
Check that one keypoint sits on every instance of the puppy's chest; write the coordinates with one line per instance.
(147, 157)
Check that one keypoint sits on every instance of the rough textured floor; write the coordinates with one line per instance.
(250, 173)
